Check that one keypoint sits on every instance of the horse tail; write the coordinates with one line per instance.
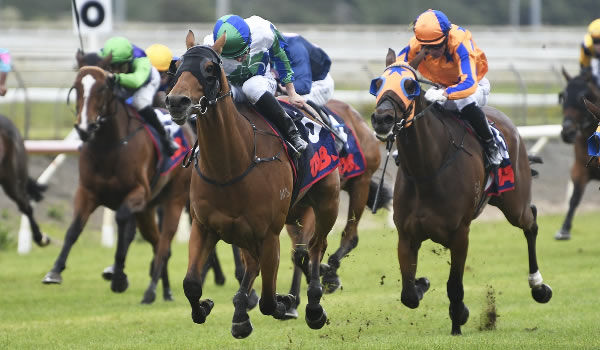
(35, 190)
(534, 160)
(385, 196)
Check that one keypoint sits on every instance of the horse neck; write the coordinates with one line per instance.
(225, 141)
(422, 146)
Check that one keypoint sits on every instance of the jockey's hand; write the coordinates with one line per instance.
(436, 95)
(293, 96)
(111, 79)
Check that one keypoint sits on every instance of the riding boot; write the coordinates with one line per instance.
(339, 140)
(151, 118)
(477, 118)
(268, 106)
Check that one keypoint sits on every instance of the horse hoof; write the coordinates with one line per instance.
(422, 284)
(331, 282)
(562, 235)
(119, 283)
(202, 311)
(542, 294)
(168, 295)
(108, 272)
(52, 278)
(46, 240)
(149, 297)
(291, 313)
(315, 316)
(462, 318)
(252, 300)
(241, 330)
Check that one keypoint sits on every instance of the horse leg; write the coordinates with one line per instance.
(241, 327)
(172, 212)
(358, 194)
(217, 270)
(459, 313)
(19, 196)
(578, 188)
(126, 232)
(412, 290)
(84, 204)
(200, 245)
(239, 275)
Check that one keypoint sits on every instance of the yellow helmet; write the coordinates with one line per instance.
(160, 56)
(594, 29)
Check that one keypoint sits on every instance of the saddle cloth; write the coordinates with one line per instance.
(503, 179)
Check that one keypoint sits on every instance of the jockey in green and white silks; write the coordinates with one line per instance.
(131, 70)
(251, 46)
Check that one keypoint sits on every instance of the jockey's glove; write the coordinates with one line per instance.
(435, 95)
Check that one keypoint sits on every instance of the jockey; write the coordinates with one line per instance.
(447, 55)
(590, 51)
(251, 46)
(5, 67)
(131, 70)
(161, 58)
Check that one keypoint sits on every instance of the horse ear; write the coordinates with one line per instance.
(190, 39)
(390, 57)
(105, 62)
(79, 58)
(565, 74)
(592, 108)
(218, 46)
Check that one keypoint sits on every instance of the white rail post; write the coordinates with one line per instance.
(183, 229)
(108, 230)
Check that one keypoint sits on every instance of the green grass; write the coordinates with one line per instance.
(366, 313)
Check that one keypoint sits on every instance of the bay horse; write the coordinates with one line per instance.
(15, 179)
(241, 191)
(118, 169)
(577, 125)
(440, 182)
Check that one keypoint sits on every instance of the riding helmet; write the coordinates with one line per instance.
(431, 27)
(160, 56)
(121, 49)
(238, 35)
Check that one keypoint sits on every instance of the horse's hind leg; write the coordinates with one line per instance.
(579, 183)
(541, 292)
(459, 313)
(358, 195)
(19, 195)
(126, 232)
(239, 275)
(241, 327)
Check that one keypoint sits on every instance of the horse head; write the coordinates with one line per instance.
(575, 116)
(94, 97)
(200, 80)
(397, 91)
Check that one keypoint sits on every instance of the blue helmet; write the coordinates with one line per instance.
(238, 35)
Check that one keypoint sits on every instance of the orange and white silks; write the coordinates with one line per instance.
(394, 78)
(459, 69)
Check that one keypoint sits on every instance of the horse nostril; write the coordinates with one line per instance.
(178, 101)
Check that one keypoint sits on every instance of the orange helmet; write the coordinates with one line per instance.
(431, 27)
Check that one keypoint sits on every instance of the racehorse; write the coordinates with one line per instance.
(577, 126)
(118, 169)
(241, 191)
(439, 186)
(15, 179)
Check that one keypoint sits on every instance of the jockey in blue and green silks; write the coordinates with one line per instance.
(132, 70)
(251, 46)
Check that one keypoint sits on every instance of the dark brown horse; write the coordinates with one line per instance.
(241, 191)
(361, 193)
(14, 176)
(439, 186)
(118, 170)
(577, 125)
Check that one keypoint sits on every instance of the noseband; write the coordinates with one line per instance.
(194, 61)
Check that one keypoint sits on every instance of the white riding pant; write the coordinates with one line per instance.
(144, 96)
(254, 88)
(480, 97)
(595, 65)
(321, 91)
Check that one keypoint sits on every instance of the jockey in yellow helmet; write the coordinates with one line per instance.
(161, 57)
(590, 48)
(447, 55)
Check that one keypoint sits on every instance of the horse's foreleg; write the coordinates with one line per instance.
(412, 290)
(578, 189)
(201, 243)
(126, 231)
(269, 265)
(459, 313)
(542, 293)
(241, 327)
(84, 204)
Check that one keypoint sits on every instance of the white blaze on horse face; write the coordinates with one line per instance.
(87, 81)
